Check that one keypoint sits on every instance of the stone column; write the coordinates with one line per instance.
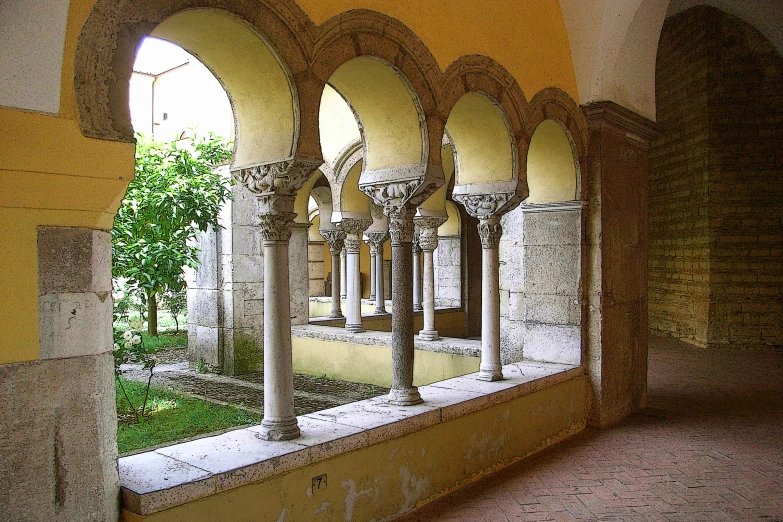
(300, 274)
(336, 240)
(279, 421)
(487, 208)
(354, 228)
(401, 228)
(274, 186)
(615, 261)
(373, 273)
(490, 232)
(416, 249)
(377, 240)
(343, 274)
(428, 242)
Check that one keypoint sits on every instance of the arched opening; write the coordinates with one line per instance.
(482, 142)
(551, 168)
(387, 110)
(541, 249)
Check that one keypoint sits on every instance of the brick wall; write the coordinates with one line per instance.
(716, 184)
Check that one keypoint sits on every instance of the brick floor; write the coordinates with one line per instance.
(709, 446)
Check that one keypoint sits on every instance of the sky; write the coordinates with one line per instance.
(155, 56)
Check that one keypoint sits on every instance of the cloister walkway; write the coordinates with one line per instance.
(709, 446)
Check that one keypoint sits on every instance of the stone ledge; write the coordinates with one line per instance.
(167, 477)
(450, 345)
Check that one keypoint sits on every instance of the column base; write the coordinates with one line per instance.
(381, 311)
(336, 315)
(429, 335)
(405, 397)
(490, 374)
(279, 430)
(354, 328)
(418, 308)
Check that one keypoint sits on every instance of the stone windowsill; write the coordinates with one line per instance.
(450, 345)
(182, 473)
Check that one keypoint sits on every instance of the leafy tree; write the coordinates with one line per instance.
(176, 193)
(176, 302)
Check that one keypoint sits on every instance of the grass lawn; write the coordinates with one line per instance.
(171, 416)
(166, 339)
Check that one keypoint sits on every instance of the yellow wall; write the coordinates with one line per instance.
(481, 140)
(450, 228)
(384, 105)
(551, 171)
(372, 364)
(49, 175)
(528, 38)
(52, 175)
(397, 475)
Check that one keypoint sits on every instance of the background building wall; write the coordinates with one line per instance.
(716, 216)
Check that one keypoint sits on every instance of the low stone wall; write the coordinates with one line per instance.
(367, 357)
(361, 461)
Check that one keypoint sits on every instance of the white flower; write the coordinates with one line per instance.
(127, 344)
(136, 339)
(116, 346)
(128, 335)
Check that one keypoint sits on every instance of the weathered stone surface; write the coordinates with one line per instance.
(551, 309)
(59, 434)
(551, 228)
(202, 344)
(552, 269)
(448, 272)
(74, 292)
(552, 343)
(73, 260)
(615, 257)
(299, 274)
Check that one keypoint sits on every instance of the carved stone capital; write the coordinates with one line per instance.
(393, 195)
(280, 177)
(335, 238)
(428, 238)
(401, 227)
(276, 227)
(415, 247)
(490, 231)
(355, 226)
(481, 206)
(428, 231)
(377, 239)
(352, 245)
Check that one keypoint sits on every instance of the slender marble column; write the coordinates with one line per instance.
(416, 273)
(490, 231)
(377, 239)
(354, 228)
(336, 239)
(428, 241)
(274, 185)
(343, 274)
(279, 421)
(372, 269)
(403, 392)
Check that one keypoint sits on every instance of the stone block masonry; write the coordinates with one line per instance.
(716, 185)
